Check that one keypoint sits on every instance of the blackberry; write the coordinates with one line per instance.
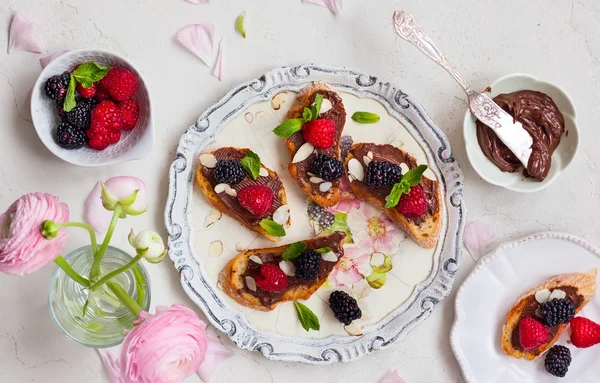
(558, 360)
(326, 220)
(557, 311)
(345, 145)
(327, 168)
(307, 265)
(69, 137)
(229, 172)
(56, 86)
(382, 173)
(344, 307)
(80, 116)
(318, 213)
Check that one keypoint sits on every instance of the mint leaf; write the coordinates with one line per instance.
(289, 127)
(324, 250)
(307, 115)
(239, 24)
(412, 178)
(272, 227)
(293, 251)
(365, 117)
(88, 73)
(316, 109)
(251, 163)
(308, 319)
(70, 97)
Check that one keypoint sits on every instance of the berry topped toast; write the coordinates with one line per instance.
(263, 278)
(375, 174)
(235, 182)
(312, 131)
(541, 314)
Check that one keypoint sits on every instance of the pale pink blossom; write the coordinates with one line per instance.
(23, 249)
(48, 59)
(479, 239)
(22, 35)
(218, 70)
(333, 5)
(198, 39)
(345, 205)
(392, 377)
(373, 231)
(348, 269)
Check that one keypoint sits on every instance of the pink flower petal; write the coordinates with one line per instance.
(479, 238)
(334, 6)
(112, 366)
(392, 377)
(47, 59)
(218, 69)
(197, 1)
(23, 36)
(94, 213)
(216, 354)
(198, 39)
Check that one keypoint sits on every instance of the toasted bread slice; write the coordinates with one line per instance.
(209, 192)
(233, 277)
(299, 170)
(426, 229)
(580, 289)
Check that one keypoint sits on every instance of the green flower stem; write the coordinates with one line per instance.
(95, 270)
(116, 272)
(120, 293)
(63, 264)
(87, 227)
(140, 285)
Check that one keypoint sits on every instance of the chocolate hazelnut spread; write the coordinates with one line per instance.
(531, 306)
(540, 117)
(337, 114)
(267, 298)
(273, 183)
(396, 156)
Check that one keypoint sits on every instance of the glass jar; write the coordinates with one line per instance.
(105, 317)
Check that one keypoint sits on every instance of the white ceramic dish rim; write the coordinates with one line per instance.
(547, 182)
(499, 251)
(334, 348)
(52, 68)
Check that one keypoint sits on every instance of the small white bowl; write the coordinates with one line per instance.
(134, 145)
(563, 155)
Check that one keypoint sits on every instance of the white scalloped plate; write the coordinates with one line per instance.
(245, 117)
(491, 289)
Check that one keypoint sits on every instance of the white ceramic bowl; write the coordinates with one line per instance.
(134, 145)
(562, 157)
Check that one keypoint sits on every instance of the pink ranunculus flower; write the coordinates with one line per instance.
(23, 249)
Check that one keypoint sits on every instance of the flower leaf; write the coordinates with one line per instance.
(340, 224)
(289, 127)
(324, 250)
(293, 251)
(412, 178)
(365, 117)
(239, 24)
(377, 279)
(70, 97)
(307, 115)
(308, 319)
(316, 109)
(272, 227)
(88, 73)
(251, 162)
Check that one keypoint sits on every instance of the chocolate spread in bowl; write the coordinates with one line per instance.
(267, 298)
(540, 117)
(273, 183)
(396, 156)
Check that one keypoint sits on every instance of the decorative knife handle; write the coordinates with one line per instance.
(407, 28)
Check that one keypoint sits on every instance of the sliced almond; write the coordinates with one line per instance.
(288, 268)
(303, 152)
(212, 217)
(208, 160)
(557, 294)
(263, 172)
(278, 100)
(282, 214)
(220, 188)
(230, 191)
(329, 257)
(325, 106)
(259, 114)
(315, 180)
(251, 283)
(310, 174)
(356, 170)
(354, 329)
(249, 117)
(377, 259)
(215, 248)
(542, 296)
(256, 259)
(370, 155)
(397, 143)
(325, 186)
(240, 246)
(366, 160)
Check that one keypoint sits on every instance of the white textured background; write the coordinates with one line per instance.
(555, 40)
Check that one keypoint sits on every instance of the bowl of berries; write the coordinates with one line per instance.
(91, 107)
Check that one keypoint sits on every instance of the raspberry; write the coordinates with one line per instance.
(99, 143)
(129, 112)
(114, 136)
(101, 137)
(107, 115)
(320, 133)
(557, 311)
(69, 136)
(345, 146)
(344, 307)
(307, 265)
(101, 94)
(119, 83)
(558, 360)
(56, 86)
(382, 173)
(229, 172)
(271, 278)
(80, 116)
(585, 333)
(257, 199)
(86, 92)
(532, 333)
(413, 204)
(327, 168)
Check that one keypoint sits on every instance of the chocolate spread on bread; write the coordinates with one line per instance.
(540, 117)
(273, 183)
(267, 298)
